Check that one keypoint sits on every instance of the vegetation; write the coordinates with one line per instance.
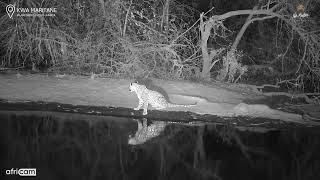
(169, 39)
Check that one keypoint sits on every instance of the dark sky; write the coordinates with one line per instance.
(204, 5)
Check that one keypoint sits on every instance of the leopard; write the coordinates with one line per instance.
(154, 98)
(145, 132)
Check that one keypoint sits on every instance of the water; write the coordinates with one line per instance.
(75, 146)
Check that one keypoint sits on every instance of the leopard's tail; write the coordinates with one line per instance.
(181, 105)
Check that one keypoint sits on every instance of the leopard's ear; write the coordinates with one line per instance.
(137, 82)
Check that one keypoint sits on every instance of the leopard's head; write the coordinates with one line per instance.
(133, 86)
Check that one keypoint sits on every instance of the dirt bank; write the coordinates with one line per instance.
(77, 90)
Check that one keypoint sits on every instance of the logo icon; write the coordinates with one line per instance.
(300, 8)
(300, 12)
(10, 10)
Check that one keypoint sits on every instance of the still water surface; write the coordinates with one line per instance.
(64, 146)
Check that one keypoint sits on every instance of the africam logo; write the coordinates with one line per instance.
(11, 9)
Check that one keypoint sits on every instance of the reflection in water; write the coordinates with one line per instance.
(96, 147)
(145, 132)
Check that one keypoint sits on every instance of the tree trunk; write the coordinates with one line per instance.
(205, 33)
(165, 17)
(243, 29)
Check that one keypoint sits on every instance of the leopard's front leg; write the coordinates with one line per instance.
(139, 105)
(145, 108)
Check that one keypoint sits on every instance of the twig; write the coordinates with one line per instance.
(303, 57)
(190, 27)
(126, 20)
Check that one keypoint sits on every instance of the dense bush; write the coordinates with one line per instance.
(132, 38)
(110, 38)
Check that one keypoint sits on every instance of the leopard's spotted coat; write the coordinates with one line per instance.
(154, 98)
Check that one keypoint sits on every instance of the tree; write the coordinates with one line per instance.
(282, 11)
